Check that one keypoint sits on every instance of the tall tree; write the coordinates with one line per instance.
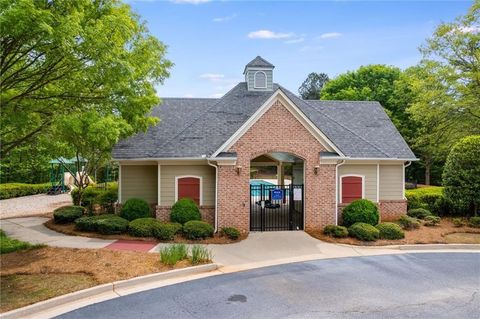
(64, 57)
(310, 88)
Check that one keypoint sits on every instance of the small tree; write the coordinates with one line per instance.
(310, 88)
(461, 175)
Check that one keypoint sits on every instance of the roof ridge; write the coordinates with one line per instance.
(340, 101)
(343, 126)
(188, 98)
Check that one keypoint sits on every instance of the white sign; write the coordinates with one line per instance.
(297, 194)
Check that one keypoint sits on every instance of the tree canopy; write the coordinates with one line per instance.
(310, 88)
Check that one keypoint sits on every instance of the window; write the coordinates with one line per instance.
(189, 187)
(260, 80)
(351, 188)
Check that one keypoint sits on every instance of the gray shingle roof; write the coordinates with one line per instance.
(196, 127)
(259, 62)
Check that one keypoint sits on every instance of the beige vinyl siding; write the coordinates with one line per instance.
(167, 182)
(139, 181)
(391, 183)
(370, 173)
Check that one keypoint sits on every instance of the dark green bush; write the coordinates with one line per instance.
(360, 211)
(185, 210)
(474, 222)
(197, 230)
(390, 231)
(113, 225)
(11, 190)
(107, 200)
(166, 231)
(419, 213)
(143, 227)
(231, 232)
(335, 231)
(431, 220)
(364, 231)
(135, 208)
(67, 214)
(408, 223)
(89, 223)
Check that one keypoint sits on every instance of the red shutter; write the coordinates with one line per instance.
(351, 188)
(189, 187)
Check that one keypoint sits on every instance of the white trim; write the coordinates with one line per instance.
(159, 185)
(255, 80)
(403, 178)
(216, 195)
(160, 158)
(192, 176)
(352, 175)
(336, 190)
(297, 113)
(367, 158)
(378, 182)
(120, 184)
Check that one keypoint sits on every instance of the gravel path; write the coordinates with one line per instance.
(32, 205)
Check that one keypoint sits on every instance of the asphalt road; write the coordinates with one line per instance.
(435, 285)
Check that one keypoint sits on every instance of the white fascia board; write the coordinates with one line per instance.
(296, 112)
(368, 158)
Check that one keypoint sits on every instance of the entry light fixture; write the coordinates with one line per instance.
(238, 169)
(315, 169)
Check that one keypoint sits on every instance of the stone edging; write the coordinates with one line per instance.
(105, 288)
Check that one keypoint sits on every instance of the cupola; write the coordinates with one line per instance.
(259, 75)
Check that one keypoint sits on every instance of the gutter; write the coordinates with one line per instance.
(369, 158)
(404, 167)
(336, 190)
(216, 193)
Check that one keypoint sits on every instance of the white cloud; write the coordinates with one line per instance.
(469, 29)
(330, 35)
(212, 76)
(189, 1)
(267, 34)
(298, 40)
(224, 19)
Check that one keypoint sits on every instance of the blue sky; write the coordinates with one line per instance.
(211, 41)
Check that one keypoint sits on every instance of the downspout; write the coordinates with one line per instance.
(336, 190)
(216, 193)
(404, 167)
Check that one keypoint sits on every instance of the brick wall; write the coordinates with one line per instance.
(276, 131)
(162, 213)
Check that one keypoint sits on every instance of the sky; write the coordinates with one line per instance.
(210, 42)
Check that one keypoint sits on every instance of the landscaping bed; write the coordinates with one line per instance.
(30, 276)
(439, 234)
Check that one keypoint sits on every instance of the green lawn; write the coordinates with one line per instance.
(8, 245)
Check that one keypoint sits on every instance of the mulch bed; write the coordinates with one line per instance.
(69, 229)
(423, 235)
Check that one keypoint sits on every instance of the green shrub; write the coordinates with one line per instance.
(419, 213)
(113, 225)
(12, 190)
(135, 208)
(335, 231)
(67, 214)
(360, 211)
(364, 231)
(200, 255)
(390, 231)
(408, 223)
(424, 197)
(90, 198)
(431, 220)
(185, 210)
(231, 232)
(89, 223)
(197, 230)
(171, 254)
(143, 227)
(474, 222)
(166, 231)
(107, 200)
(458, 222)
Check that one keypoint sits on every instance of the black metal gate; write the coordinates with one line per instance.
(276, 207)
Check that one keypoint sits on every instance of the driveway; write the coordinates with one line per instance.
(440, 285)
(32, 205)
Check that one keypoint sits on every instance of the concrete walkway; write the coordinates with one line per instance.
(32, 205)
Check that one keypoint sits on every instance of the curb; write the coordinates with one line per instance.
(439, 247)
(105, 288)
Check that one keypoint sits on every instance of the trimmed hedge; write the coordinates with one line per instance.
(135, 208)
(335, 231)
(92, 196)
(67, 214)
(166, 231)
(364, 231)
(105, 224)
(12, 190)
(143, 227)
(185, 210)
(390, 231)
(231, 232)
(433, 199)
(409, 223)
(195, 229)
(107, 200)
(419, 213)
(360, 211)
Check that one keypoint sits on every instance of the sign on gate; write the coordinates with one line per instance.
(297, 194)
(277, 194)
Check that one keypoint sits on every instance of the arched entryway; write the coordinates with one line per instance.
(276, 192)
